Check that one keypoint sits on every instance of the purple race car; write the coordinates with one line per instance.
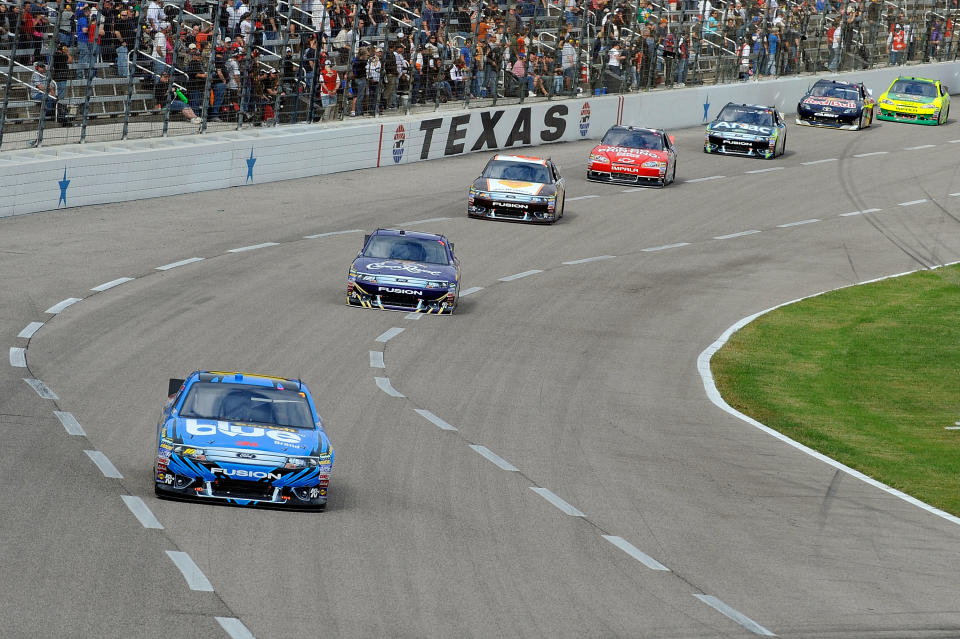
(405, 271)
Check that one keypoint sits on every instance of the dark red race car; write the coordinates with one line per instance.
(634, 156)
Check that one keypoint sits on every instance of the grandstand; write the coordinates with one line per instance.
(240, 63)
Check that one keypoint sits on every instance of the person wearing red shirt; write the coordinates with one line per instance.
(329, 85)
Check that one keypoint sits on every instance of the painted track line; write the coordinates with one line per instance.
(471, 291)
(105, 465)
(922, 146)
(732, 235)
(772, 168)
(140, 510)
(433, 419)
(591, 259)
(800, 223)
(867, 155)
(557, 502)
(863, 212)
(30, 329)
(41, 389)
(376, 359)
(167, 267)
(954, 194)
(954, 142)
(665, 247)
(190, 571)
(70, 423)
(383, 383)
(517, 276)
(819, 161)
(427, 221)
(735, 615)
(331, 234)
(18, 357)
(413, 315)
(59, 306)
(582, 197)
(912, 202)
(493, 457)
(636, 553)
(234, 627)
(252, 247)
(389, 334)
(108, 285)
(704, 179)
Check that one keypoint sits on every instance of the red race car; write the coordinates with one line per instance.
(634, 156)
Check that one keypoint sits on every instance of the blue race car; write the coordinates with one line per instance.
(244, 439)
(405, 271)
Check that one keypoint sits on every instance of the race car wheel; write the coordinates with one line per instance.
(860, 124)
(563, 205)
(673, 174)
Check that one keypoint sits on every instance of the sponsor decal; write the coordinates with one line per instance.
(322, 492)
(166, 446)
(246, 455)
(551, 129)
(633, 170)
(510, 205)
(741, 126)
(235, 430)
(163, 454)
(314, 493)
(399, 138)
(832, 102)
(406, 268)
(584, 119)
(243, 443)
(242, 472)
(403, 291)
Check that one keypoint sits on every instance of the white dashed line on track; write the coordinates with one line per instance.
(556, 501)
(190, 571)
(863, 212)
(911, 202)
(636, 553)
(922, 146)
(70, 423)
(427, 221)
(331, 233)
(18, 357)
(41, 389)
(867, 155)
(471, 291)
(800, 223)
(383, 383)
(732, 235)
(389, 334)
(954, 141)
(376, 359)
(433, 419)
(234, 627)
(111, 284)
(954, 194)
(819, 161)
(772, 168)
(517, 276)
(582, 197)
(704, 179)
(413, 316)
(30, 329)
(633, 190)
(499, 461)
(665, 247)
(252, 247)
(59, 306)
(105, 465)
(591, 259)
(143, 514)
(167, 267)
(734, 615)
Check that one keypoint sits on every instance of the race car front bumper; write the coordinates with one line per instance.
(930, 119)
(845, 124)
(513, 210)
(649, 178)
(411, 302)
(763, 148)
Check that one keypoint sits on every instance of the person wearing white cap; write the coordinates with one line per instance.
(38, 81)
(161, 42)
(155, 15)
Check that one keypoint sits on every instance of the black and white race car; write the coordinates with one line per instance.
(747, 129)
(837, 105)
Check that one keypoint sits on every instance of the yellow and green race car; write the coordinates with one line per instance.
(918, 100)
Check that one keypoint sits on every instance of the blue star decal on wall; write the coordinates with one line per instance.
(250, 162)
(706, 108)
(64, 183)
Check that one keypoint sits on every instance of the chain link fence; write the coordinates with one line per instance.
(120, 69)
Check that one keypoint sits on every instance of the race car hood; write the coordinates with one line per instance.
(740, 129)
(838, 103)
(404, 268)
(511, 186)
(212, 433)
(627, 155)
(912, 99)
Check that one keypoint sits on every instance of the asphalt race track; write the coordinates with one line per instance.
(545, 463)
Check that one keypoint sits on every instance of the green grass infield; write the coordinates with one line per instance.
(867, 375)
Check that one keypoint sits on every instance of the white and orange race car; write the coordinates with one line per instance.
(518, 188)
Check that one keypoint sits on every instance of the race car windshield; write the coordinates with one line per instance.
(746, 116)
(633, 139)
(404, 247)
(921, 89)
(833, 91)
(517, 171)
(251, 404)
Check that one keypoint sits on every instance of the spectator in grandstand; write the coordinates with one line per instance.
(744, 64)
(177, 102)
(155, 17)
(772, 51)
(359, 68)
(60, 71)
(374, 73)
(897, 44)
(682, 55)
(218, 83)
(329, 86)
(458, 78)
(935, 39)
(125, 34)
(310, 60)
(86, 42)
(568, 64)
(236, 12)
(196, 79)
(43, 90)
(493, 58)
(539, 72)
(161, 46)
(835, 42)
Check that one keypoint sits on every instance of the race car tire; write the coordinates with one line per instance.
(563, 205)
(860, 124)
(673, 174)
